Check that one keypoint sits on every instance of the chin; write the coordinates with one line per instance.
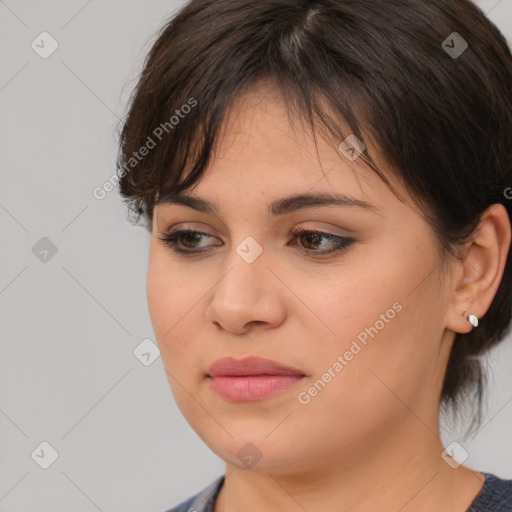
(255, 450)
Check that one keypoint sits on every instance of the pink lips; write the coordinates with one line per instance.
(251, 378)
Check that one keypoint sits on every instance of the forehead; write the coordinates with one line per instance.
(264, 155)
(260, 142)
(259, 122)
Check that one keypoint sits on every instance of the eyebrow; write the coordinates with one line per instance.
(280, 207)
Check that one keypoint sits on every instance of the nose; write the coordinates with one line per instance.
(247, 297)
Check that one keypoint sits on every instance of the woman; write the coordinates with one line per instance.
(327, 184)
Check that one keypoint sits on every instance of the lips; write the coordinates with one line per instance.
(251, 379)
(249, 366)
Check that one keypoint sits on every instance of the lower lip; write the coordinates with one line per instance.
(251, 388)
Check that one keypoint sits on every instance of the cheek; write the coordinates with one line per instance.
(160, 294)
(176, 303)
(352, 302)
(376, 322)
(171, 298)
(171, 302)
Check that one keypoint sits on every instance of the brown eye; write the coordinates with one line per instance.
(312, 240)
(191, 238)
(187, 238)
(188, 241)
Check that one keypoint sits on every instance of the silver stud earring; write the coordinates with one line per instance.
(472, 319)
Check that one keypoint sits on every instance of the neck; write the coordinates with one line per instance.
(405, 472)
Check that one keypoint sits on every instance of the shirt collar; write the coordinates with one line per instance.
(205, 500)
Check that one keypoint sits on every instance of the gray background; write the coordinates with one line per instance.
(70, 324)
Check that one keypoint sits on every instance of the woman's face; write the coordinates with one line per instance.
(363, 326)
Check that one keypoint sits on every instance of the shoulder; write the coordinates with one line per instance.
(495, 495)
(202, 501)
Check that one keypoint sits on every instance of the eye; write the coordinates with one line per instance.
(188, 238)
(312, 240)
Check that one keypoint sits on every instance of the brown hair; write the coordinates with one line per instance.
(398, 73)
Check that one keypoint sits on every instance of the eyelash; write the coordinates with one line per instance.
(171, 239)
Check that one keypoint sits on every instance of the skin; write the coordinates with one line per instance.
(369, 440)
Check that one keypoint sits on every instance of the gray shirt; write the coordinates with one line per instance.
(495, 496)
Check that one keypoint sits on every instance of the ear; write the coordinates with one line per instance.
(479, 272)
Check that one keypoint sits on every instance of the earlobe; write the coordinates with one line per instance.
(472, 319)
(480, 270)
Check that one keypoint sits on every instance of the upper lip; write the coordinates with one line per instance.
(230, 366)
